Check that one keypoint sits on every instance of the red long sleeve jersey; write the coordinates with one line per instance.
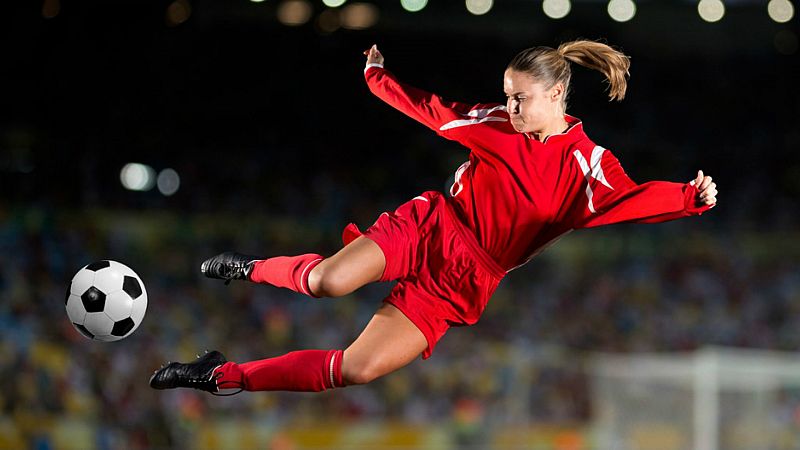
(518, 194)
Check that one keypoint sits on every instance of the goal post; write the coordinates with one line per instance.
(712, 399)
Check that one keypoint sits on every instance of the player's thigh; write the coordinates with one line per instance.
(358, 263)
(389, 342)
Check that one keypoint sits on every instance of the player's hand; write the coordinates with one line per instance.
(707, 189)
(373, 55)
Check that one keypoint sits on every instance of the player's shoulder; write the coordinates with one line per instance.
(495, 117)
(489, 109)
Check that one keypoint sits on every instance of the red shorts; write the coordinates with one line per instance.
(444, 277)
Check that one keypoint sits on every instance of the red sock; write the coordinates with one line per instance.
(305, 370)
(286, 272)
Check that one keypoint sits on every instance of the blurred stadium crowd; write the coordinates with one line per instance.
(278, 145)
(663, 288)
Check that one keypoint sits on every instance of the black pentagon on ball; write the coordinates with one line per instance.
(95, 266)
(83, 330)
(122, 327)
(93, 300)
(132, 287)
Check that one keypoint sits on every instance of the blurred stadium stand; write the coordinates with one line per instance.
(279, 144)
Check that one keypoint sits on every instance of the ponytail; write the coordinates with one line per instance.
(594, 55)
(551, 66)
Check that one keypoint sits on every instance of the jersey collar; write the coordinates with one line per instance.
(573, 131)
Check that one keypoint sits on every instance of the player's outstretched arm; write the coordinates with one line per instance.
(446, 118)
(611, 197)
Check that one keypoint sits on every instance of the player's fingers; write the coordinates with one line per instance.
(705, 183)
(709, 190)
(709, 197)
(697, 179)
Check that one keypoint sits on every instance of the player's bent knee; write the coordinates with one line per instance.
(364, 370)
(329, 282)
(361, 375)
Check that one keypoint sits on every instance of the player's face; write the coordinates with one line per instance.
(531, 106)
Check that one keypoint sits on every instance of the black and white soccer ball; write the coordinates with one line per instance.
(106, 301)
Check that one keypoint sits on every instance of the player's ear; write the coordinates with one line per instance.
(557, 92)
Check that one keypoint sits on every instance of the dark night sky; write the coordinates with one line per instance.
(238, 103)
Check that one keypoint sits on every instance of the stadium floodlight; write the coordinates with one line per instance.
(256, 1)
(556, 9)
(711, 10)
(621, 10)
(333, 3)
(479, 7)
(413, 5)
(328, 21)
(178, 12)
(780, 11)
(168, 182)
(359, 16)
(294, 12)
(137, 177)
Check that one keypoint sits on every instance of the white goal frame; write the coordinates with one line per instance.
(706, 374)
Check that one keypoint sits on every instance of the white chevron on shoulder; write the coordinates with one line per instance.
(477, 116)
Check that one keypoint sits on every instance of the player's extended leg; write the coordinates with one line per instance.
(358, 263)
(389, 342)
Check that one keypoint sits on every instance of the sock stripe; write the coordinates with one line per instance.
(213, 373)
(330, 372)
(304, 281)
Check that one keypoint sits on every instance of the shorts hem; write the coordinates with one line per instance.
(415, 320)
(385, 257)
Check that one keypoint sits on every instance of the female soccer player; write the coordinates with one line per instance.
(532, 176)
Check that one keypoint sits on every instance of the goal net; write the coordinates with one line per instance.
(712, 399)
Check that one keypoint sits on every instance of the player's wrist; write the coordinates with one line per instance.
(371, 65)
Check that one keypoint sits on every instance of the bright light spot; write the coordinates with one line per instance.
(780, 11)
(333, 3)
(413, 5)
(329, 21)
(358, 16)
(479, 7)
(294, 12)
(256, 1)
(137, 177)
(711, 10)
(556, 9)
(621, 10)
(168, 182)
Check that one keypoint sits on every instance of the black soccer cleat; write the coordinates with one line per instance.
(229, 266)
(198, 374)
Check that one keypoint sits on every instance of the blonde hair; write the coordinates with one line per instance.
(550, 66)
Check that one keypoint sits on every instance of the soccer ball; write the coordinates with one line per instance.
(106, 301)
